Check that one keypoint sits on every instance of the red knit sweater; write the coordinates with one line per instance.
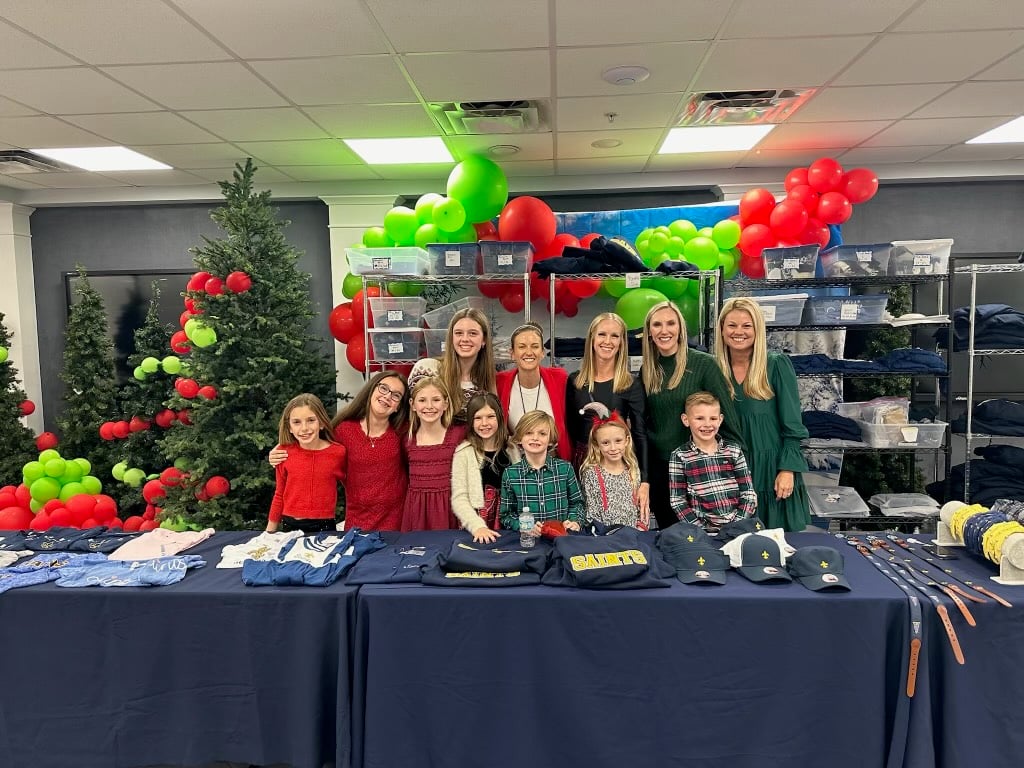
(307, 483)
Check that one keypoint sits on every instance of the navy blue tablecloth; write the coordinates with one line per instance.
(206, 669)
(744, 675)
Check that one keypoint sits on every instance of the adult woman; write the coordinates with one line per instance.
(377, 479)
(764, 389)
(467, 365)
(604, 377)
(670, 373)
(531, 386)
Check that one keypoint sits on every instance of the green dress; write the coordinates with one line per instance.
(773, 430)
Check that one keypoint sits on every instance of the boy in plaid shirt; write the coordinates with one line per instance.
(709, 483)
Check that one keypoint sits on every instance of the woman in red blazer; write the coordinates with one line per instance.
(531, 386)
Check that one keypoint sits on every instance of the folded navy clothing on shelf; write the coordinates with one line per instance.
(906, 359)
(989, 481)
(994, 417)
(1007, 455)
(913, 359)
(671, 266)
(996, 326)
(830, 425)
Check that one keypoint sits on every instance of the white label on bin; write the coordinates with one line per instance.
(504, 259)
(635, 363)
(381, 263)
(452, 259)
(922, 260)
(791, 263)
(395, 348)
(864, 256)
(394, 315)
(633, 280)
(768, 310)
(849, 310)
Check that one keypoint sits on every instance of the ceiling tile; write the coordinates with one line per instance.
(977, 153)
(779, 158)
(20, 51)
(1007, 69)
(695, 161)
(188, 156)
(42, 132)
(532, 146)
(651, 21)
(577, 144)
(796, 18)
(492, 75)
(933, 131)
(641, 110)
(19, 181)
(525, 168)
(76, 90)
(437, 173)
(172, 178)
(672, 66)
(455, 25)
(143, 127)
(225, 85)
(264, 175)
(570, 167)
(10, 108)
(329, 172)
(821, 135)
(939, 15)
(115, 31)
(274, 30)
(869, 102)
(747, 64)
(338, 80)
(869, 156)
(75, 180)
(257, 124)
(938, 57)
(976, 100)
(319, 152)
(365, 121)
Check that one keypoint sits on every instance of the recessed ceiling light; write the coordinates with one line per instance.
(625, 75)
(503, 150)
(103, 159)
(1008, 133)
(606, 143)
(428, 149)
(724, 138)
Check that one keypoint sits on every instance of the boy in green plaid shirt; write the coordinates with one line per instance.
(540, 481)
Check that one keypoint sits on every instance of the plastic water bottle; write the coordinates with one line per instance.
(526, 538)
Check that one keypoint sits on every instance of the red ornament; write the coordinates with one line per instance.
(150, 513)
(202, 495)
(121, 429)
(198, 281)
(187, 388)
(171, 476)
(217, 485)
(214, 286)
(208, 392)
(27, 407)
(180, 343)
(190, 304)
(164, 418)
(183, 318)
(45, 441)
(238, 282)
(138, 424)
(185, 417)
(107, 430)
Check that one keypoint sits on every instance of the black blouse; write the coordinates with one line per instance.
(630, 404)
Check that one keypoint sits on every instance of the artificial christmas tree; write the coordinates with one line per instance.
(251, 343)
(15, 437)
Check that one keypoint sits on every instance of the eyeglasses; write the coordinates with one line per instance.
(392, 395)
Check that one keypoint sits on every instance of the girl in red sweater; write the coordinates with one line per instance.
(307, 480)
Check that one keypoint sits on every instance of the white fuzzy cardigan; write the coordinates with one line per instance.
(467, 485)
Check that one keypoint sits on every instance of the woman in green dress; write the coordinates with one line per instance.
(764, 390)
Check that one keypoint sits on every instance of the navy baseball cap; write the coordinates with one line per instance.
(737, 528)
(761, 560)
(682, 534)
(819, 568)
(700, 564)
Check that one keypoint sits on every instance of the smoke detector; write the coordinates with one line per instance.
(21, 161)
(468, 118)
(743, 107)
(625, 76)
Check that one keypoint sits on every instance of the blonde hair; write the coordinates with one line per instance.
(419, 386)
(593, 458)
(650, 371)
(532, 420)
(483, 370)
(305, 400)
(700, 398)
(756, 384)
(622, 379)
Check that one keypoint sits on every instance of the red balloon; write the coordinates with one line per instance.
(209, 392)
(586, 240)
(834, 208)
(358, 310)
(45, 441)
(752, 267)
(583, 289)
(198, 281)
(217, 485)
(107, 430)
(21, 493)
(27, 407)
(788, 219)
(132, 523)
(190, 304)
(121, 429)
(513, 300)
(492, 289)
(164, 418)
(756, 206)
(554, 248)
(538, 287)
(355, 353)
(806, 196)
(825, 175)
(53, 504)
(8, 499)
(859, 185)
(403, 368)
(180, 343)
(238, 282)
(486, 229)
(15, 519)
(171, 476)
(152, 491)
(527, 218)
(815, 232)
(40, 522)
(184, 318)
(80, 507)
(106, 507)
(60, 518)
(187, 388)
(114, 522)
(150, 513)
(341, 323)
(795, 178)
(570, 306)
(214, 286)
(754, 239)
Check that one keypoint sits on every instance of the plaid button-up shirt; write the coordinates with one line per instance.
(710, 489)
(551, 492)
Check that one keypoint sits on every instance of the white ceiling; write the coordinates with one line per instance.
(200, 84)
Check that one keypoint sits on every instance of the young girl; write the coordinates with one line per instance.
(307, 480)
(429, 447)
(478, 466)
(545, 484)
(610, 473)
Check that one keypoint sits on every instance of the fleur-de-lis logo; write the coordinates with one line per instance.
(764, 554)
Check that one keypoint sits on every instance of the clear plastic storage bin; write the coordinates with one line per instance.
(453, 258)
(854, 310)
(396, 343)
(786, 309)
(920, 257)
(929, 435)
(399, 260)
(440, 317)
(434, 339)
(394, 312)
(791, 263)
(870, 260)
(505, 257)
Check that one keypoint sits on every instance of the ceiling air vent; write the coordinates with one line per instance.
(742, 107)
(20, 161)
(490, 117)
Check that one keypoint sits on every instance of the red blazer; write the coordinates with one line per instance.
(554, 379)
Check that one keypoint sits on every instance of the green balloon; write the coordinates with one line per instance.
(352, 285)
(44, 489)
(689, 308)
(139, 374)
(55, 467)
(190, 327)
(683, 229)
(425, 207)
(134, 477)
(426, 234)
(49, 453)
(400, 224)
(467, 234)
(84, 464)
(171, 364)
(675, 246)
(664, 230)
(69, 490)
(644, 249)
(398, 289)
(181, 463)
(32, 471)
(729, 263)
(726, 234)
(644, 236)
(702, 252)
(480, 185)
(413, 289)
(449, 215)
(91, 484)
(149, 364)
(118, 470)
(72, 473)
(3, 354)
(634, 305)
(614, 286)
(705, 232)
(34, 505)
(376, 237)
(204, 336)
(672, 288)
(657, 243)
(693, 288)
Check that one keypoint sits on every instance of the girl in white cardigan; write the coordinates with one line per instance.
(478, 465)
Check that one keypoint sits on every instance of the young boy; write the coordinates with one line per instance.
(544, 483)
(709, 483)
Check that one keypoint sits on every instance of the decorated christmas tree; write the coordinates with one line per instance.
(251, 352)
(16, 439)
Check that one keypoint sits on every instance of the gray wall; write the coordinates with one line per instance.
(143, 238)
